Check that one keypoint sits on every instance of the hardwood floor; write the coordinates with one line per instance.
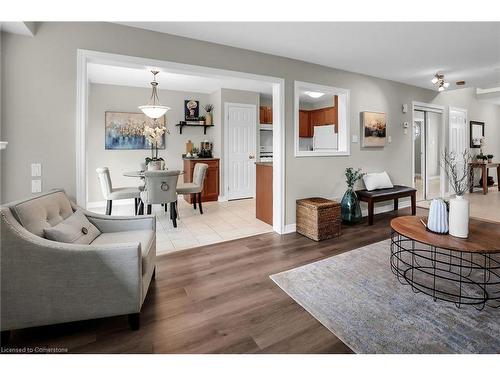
(219, 299)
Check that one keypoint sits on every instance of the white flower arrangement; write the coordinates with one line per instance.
(154, 135)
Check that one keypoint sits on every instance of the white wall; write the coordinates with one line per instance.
(477, 110)
(41, 126)
(104, 98)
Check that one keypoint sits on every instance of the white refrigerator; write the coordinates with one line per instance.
(325, 138)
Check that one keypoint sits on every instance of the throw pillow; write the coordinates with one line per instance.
(375, 181)
(75, 229)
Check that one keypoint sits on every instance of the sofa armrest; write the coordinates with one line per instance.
(46, 282)
(108, 224)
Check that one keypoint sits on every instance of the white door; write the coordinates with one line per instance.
(458, 134)
(240, 157)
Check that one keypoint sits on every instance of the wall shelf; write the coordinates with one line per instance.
(194, 125)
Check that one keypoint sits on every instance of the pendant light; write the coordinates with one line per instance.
(154, 109)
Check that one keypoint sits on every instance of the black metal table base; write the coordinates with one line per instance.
(463, 278)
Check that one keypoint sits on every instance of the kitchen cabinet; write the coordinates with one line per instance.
(264, 192)
(210, 191)
(266, 114)
(305, 130)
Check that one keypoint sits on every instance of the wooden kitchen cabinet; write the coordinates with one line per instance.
(210, 191)
(266, 115)
(305, 129)
(264, 192)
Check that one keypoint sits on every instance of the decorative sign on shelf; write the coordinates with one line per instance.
(191, 110)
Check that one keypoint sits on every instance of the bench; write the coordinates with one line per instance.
(381, 195)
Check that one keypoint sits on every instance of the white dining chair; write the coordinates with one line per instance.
(160, 189)
(111, 194)
(196, 187)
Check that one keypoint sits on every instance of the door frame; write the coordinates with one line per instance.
(84, 57)
(429, 107)
(225, 153)
(467, 133)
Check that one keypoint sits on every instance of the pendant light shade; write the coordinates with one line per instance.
(154, 109)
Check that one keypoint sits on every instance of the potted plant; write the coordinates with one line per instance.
(208, 109)
(490, 158)
(481, 158)
(154, 135)
(460, 180)
(194, 152)
(350, 208)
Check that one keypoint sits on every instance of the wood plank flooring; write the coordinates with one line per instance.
(219, 299)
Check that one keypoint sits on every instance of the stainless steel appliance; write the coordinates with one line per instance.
(206, 149)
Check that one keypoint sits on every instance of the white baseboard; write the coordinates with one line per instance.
(222, 199)
(290, 228)
(116, 202)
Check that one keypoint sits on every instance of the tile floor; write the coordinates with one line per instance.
(221, 221)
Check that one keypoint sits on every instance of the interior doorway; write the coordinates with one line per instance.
(428, 147)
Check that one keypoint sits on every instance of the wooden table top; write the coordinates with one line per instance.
(477, 164)
(482, 238)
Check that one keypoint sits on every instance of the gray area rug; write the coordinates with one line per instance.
(358, 298)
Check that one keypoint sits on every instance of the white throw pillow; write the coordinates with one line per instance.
(75, 229)
(375, 181)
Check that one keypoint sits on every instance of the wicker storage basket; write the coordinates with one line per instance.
(318, 218)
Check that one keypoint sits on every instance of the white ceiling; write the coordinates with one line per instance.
(123, 76)
(408, 52)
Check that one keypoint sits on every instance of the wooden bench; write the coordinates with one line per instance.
(381, 195)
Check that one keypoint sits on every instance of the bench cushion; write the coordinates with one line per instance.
(385, 193)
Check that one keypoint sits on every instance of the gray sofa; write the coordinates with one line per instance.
(46, 282)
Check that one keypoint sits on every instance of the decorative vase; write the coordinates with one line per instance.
(350, 208)
(438, 217)
(208, 119)
(154, 165)
(459, 217)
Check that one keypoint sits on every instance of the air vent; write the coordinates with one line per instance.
(460, 83)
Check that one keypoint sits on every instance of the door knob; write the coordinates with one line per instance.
(251, 157)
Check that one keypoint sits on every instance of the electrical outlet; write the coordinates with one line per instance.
(36, 170)
(36, 186)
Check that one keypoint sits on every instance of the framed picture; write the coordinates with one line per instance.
(191, 110)
(374, 129)
(476, 133)
(124, 131)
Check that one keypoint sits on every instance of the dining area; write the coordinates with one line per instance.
(156, 187)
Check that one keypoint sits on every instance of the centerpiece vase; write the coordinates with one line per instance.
(208, 119)
(459, 217)
(350, 208)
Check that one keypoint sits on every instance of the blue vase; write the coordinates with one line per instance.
(350, 208)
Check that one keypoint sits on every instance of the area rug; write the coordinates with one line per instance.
(357, 297)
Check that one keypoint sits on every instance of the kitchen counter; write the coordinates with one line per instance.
(264, 163)
(264, 192)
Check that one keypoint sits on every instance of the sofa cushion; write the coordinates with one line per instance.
(42, 211)
(145, 237)
(75, 229)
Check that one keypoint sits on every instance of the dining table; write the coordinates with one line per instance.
(140, 174)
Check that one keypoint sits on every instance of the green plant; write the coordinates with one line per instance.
(195, 150)
(351, 176)
(208, 108)
(489, 156)
(481, 157)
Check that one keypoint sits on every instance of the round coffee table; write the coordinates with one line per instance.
(462, 271)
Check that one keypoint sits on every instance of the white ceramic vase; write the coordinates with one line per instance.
(459, 217)
(154, 165)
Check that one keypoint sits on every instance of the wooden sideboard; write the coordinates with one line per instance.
(210, 191)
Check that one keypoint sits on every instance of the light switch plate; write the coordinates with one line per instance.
(36, 170)
(36, 186)
(354, 138)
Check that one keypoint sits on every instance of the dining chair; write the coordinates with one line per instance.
(196, 187)
(111, 194)
(160, 189)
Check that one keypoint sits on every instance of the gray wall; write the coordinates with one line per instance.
(39, 105)
(104, 98)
